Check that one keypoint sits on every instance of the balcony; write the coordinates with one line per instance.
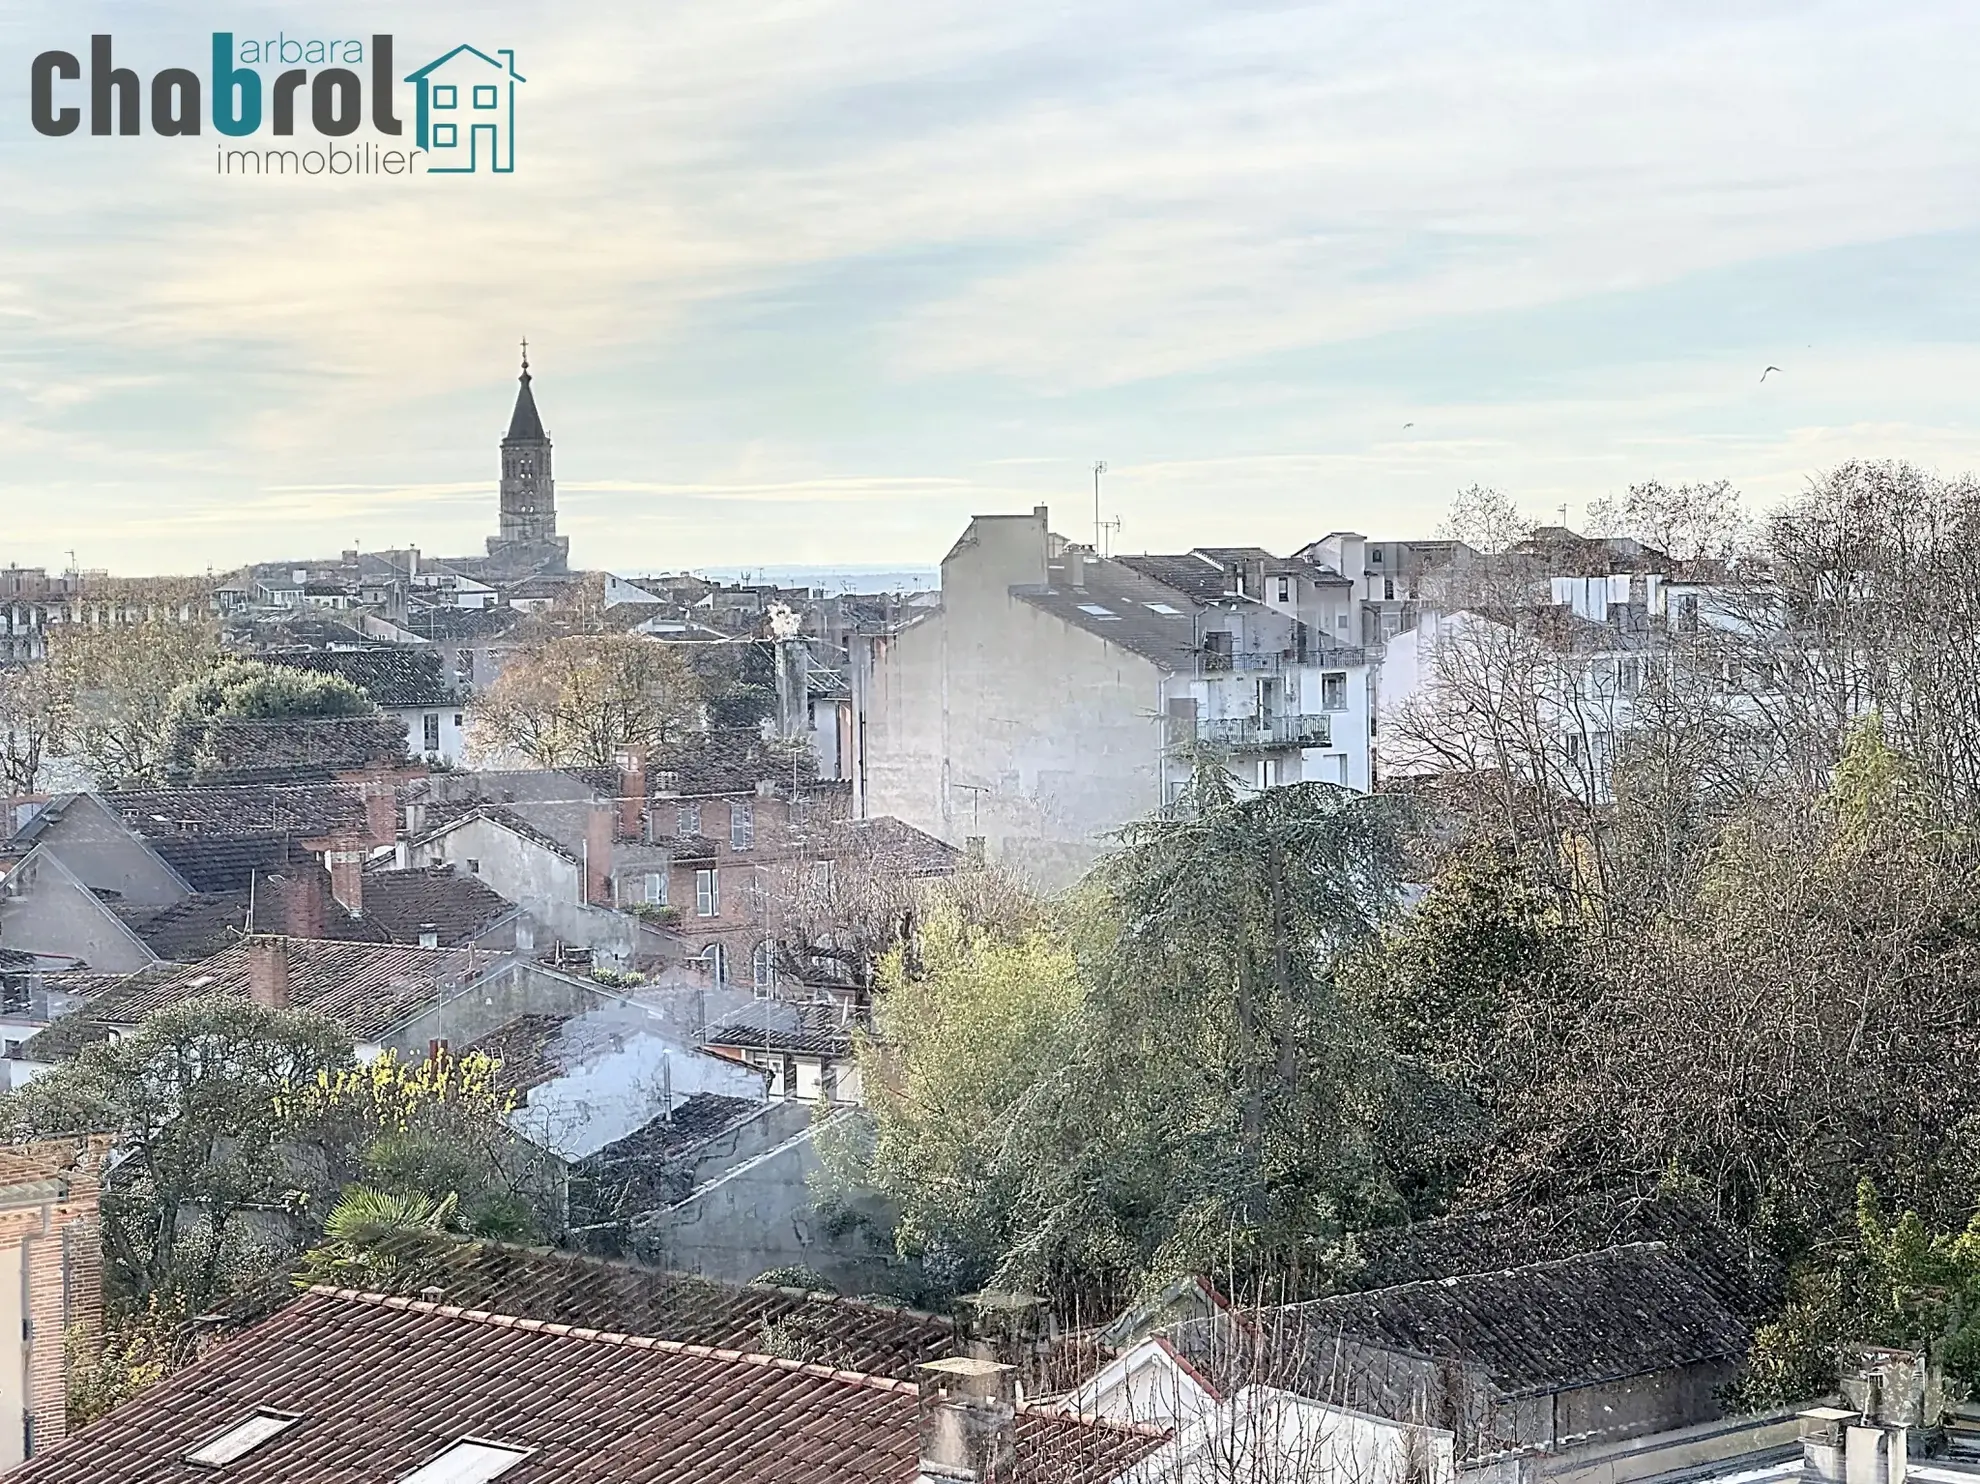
(1265, 734)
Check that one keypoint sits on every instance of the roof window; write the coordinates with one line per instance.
(1164, 609)
(242, 1438)
(468, 1462)
(1099, 612)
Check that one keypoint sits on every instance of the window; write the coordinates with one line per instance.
(474, 866)
(446, 95)
(821, 875)
(1389, 589)
(468, 1462)
(742, 825)
(690, 819)
(484, 96)
(763, 966)
(716, 960)
(1285, 589)
(1164, 609)
(431, 736)
(656, 888)
(1098, 611)
(242, 1438)
(707, 894)
(1333, 692)
(458, 720)
(445, 136)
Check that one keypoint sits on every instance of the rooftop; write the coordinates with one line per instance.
(568, 1288)
(301, 749)
(395, 678)
(306, 811)
(1115, 602)
(436, 899)
(368, 988)
(380, 1387)
(816, 1029)
(1549, 1326)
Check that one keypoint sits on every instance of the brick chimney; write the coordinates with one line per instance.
(268, 972)
(381, 808)
(347, 879)
(601, 828)
(632, 796)
(968, 1420)
(296, 902)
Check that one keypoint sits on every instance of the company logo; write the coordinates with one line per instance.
(464, 105)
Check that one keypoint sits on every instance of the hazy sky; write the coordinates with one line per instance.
(813, 280)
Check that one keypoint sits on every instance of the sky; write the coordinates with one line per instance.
(813, 281)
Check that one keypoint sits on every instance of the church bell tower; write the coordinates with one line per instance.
(528, 532)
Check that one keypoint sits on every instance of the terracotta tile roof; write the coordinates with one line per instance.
(306, 811)
(368, 988)
(395, 678)
(210, 922)
(462, 623)
(385, 1385)
(890, 844)
(300, 749)
(570, 1288)
(456, 906)
(217, 863)
(731, 761)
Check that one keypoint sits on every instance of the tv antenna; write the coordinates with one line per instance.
(1100, 526)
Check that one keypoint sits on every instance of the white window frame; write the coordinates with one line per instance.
(656, 888)
(742, 824)
(708, 892)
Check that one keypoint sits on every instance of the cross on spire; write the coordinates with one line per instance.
(525, 355)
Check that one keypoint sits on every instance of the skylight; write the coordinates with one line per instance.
(1096, 610)
(242, 1438)
(1164, 609)
(468, 1462)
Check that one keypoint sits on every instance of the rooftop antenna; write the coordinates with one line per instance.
(1099, 468)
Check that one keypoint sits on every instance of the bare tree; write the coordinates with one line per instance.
(584, 700)
(30, 716)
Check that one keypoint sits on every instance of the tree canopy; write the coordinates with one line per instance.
(583, 700)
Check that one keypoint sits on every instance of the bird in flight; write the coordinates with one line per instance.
(1768, 372)
(1408, 426)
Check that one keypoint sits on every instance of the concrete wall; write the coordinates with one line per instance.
(464, 1017)
(46, 910)
(521, 870)
(98, 848)
(997, 720)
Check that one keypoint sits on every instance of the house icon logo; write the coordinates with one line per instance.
(467, 111)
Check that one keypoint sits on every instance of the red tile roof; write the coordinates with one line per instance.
(368, 988)
(383, 1386)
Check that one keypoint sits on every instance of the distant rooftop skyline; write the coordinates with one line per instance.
(812, 285)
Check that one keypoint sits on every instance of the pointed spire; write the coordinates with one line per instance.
(524, 424)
